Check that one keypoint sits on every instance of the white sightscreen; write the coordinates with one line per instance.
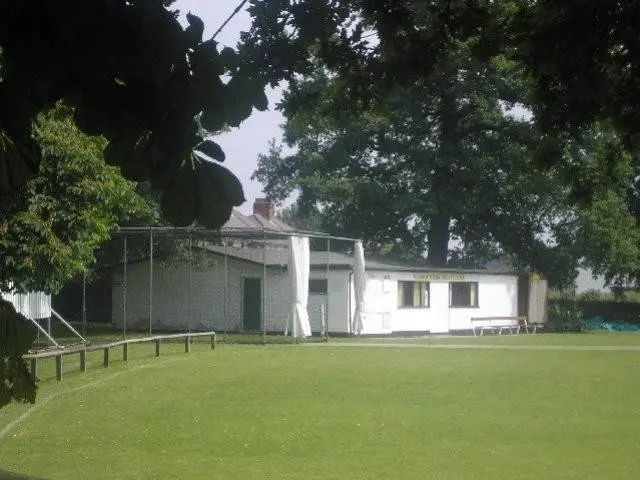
(299, 260)
(359, 286)
(34, 305)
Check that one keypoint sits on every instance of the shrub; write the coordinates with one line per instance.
(566, 317)
(592, 296)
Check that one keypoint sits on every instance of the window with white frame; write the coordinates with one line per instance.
(413, 294)
(463, 294)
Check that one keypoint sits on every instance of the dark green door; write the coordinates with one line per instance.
(251, 305)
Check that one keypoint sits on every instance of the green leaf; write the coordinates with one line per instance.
(213, 119)
(205, 59)
(195, 29)
(211, 149)
(261, 102)
(229, 58)
(214, 216)
(181, 199)
(216, 180)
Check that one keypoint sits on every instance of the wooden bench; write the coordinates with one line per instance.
(496, 325)
(106, 347)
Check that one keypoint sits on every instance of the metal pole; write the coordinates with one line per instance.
(84, 302)
(124, 292)
(67, 324)
(326, 317)
(150, 279)
(225, 286)
(189, 286)
(44, 332)
(264, 288)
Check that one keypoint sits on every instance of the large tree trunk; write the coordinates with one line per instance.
(438, 245)
(438, 249)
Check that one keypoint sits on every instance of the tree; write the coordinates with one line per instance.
(376, 44)
(608, 233)
(413, 167)
(135, 76)
(372, 44)
(585, 60)
(66, 211)
(419, 165)
(50, 230)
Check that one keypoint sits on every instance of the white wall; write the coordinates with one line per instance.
(206, 305)
(336, 302)
(497, 296)
(205, 308)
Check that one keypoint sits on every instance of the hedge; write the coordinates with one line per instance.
(628, 312)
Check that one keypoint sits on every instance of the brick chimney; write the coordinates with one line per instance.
(264, 207)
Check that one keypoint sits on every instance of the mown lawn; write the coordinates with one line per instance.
(331, 411)
(587, 338)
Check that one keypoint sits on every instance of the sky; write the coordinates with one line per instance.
(241, 145)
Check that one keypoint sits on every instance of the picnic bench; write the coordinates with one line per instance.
(497, 325)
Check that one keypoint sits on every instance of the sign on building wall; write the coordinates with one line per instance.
(388, 280)
(439, 276)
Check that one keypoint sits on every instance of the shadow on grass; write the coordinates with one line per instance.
(4, 475)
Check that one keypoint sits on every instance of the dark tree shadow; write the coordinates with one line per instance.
(4, 475)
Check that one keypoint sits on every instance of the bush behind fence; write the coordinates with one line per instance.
(569, 314)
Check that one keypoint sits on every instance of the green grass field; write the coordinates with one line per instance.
(335, 411)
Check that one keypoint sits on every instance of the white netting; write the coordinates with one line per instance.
(174, 280)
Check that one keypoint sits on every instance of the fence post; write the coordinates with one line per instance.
(106, 357)
(84, 303)
(150, 278)
(213, 341)
(34, 368)
(157, 347)
(124, 291)
(125, 351)
(59, 367)
(83, 360)
(190, 316)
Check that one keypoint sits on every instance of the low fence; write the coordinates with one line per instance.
(106, 347)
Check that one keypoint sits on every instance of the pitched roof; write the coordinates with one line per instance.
(255, 223)
(279, 257)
